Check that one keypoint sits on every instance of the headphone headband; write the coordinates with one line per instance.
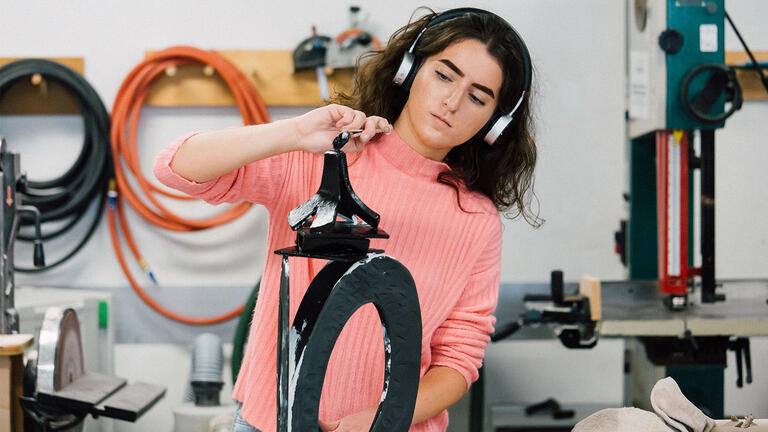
(409, 66)
(455, 13)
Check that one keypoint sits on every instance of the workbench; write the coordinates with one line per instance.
(635, 312)
(635, 308)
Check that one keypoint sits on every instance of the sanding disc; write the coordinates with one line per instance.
(60, 350)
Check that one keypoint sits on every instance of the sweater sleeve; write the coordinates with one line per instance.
(258, 182)
(460, 342)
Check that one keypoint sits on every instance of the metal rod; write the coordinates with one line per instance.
(708, 218)
(747, 360)
(6, 265)
(282, 348)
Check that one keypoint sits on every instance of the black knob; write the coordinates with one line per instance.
(671, 41)
(38, 256)
(556, 286)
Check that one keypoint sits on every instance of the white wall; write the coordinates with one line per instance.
(578, 51)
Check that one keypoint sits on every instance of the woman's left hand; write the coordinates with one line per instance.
(357, 422)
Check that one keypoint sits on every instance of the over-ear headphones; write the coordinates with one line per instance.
(410, 65)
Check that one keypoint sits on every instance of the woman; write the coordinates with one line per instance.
(436, 183)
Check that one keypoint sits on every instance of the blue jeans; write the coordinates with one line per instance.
(240, 425)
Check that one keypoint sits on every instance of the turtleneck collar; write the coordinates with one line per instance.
(405, 158)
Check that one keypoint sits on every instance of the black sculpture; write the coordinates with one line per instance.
(354, 276)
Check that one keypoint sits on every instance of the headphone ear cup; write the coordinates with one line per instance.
(481, 134)
(406, 86)
(403, 69)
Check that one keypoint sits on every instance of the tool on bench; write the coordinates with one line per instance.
(574, 315)
(59, 393)
(549, 405)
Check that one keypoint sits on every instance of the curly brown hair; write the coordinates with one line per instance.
(503, 172)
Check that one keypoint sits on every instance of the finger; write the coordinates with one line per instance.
(358, 120)
(340, 115)
(328, 427)
(354, 145)
(369, 130)
(344, 115)
(346, 119)
(383, 126)
(335, 111)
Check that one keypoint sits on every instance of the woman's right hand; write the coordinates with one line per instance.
(316, 129)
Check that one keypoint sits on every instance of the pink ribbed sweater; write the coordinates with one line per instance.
(454, 257)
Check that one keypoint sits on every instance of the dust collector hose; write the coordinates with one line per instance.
(125, 117)
(68, 197)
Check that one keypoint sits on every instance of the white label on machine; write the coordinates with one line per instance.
(674, 193)
(639, 88)
(708, 38)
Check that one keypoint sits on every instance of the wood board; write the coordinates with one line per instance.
(270, 71)
(48, 97)
(748, 78)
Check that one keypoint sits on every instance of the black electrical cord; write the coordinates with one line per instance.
(756, 65)
(68, 197)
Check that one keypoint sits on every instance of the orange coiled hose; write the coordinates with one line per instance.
(125, 118)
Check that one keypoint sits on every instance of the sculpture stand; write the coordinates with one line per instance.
(355, 275)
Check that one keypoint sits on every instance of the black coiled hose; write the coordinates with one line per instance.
(67, 198)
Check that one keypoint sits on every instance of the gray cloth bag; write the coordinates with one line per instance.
(622, 420)
(676, 410)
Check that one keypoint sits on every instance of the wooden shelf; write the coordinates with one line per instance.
(748, 78)
(45, 97)
(271, 72)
